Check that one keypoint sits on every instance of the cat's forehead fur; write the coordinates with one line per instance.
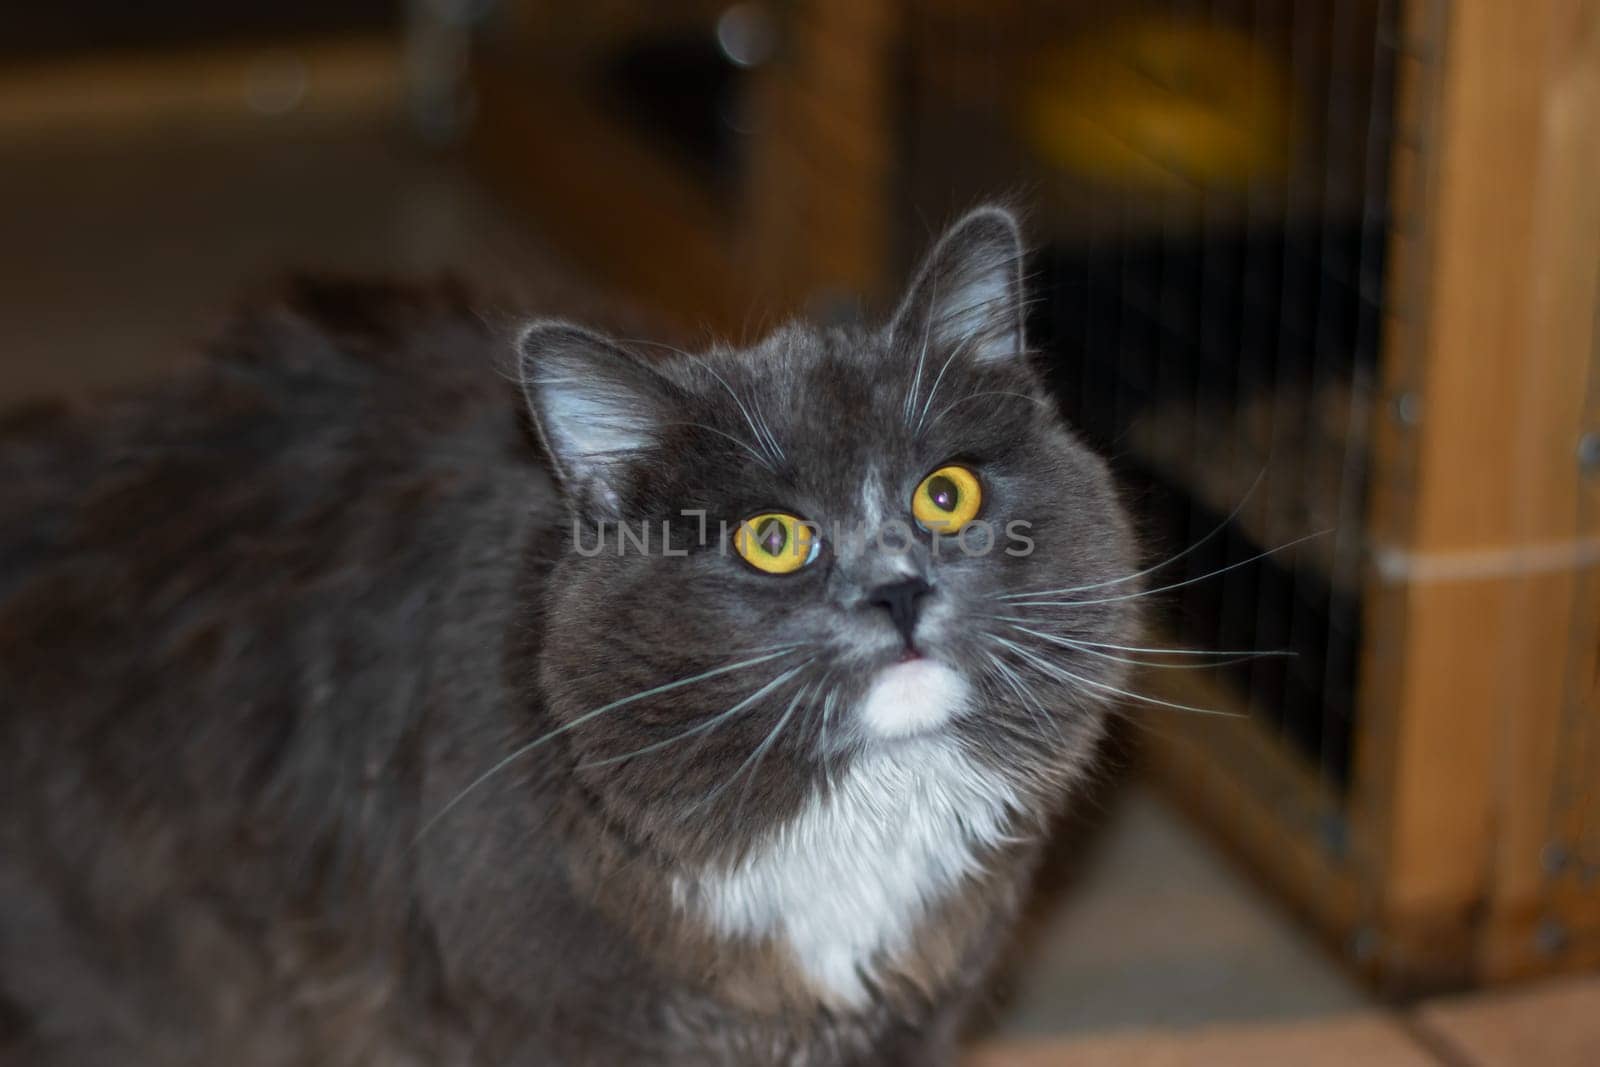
(841, 410)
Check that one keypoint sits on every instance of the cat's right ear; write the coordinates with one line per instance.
(597, 408)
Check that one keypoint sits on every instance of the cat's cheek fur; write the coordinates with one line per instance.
(845, 885)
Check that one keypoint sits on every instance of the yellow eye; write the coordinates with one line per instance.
(947, 500)
(776, 543)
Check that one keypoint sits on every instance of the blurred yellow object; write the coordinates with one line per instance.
(1157, 103)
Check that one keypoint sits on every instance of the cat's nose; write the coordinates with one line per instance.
(902, 599)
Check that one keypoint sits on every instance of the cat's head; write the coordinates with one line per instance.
(785, 558)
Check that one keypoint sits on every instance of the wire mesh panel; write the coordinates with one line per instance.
(1209, 183)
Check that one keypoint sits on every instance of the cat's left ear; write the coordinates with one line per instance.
(968, 292)
(598, 408)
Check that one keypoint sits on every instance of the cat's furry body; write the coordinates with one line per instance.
(263, 632)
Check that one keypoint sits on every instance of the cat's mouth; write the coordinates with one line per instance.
(916, 694)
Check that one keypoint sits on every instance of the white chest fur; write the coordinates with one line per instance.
(853, 873)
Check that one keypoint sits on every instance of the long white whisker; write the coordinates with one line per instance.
(522, 750)
(1080, 642)
(754, 759)
(767, 429)
(776, 453)
(975, 396)
(933, 391)
(1175, 585)
(712, 724)
(927, 330)
(758, 456)
(1223, 525)
(822, 690)
(1066, 642)
(1165, 651)
(1036, 710)
(827, 714)
(764, 438)
(1062, 674)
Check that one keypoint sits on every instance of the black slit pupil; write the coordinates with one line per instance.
(943, 492)
(772, 537)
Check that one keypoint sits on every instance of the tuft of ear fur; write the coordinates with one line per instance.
(597, 408)
(968, 292)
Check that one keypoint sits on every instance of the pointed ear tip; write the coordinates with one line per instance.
(988, 234)
(557, 341)
(996, 218)
(537, 334)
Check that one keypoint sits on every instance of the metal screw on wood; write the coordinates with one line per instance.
(1550, 938)
(1589, 452)
(1335, 835)
(1364, 944)
(1408, 409)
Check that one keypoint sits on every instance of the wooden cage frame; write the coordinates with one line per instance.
(1460, 856)
(1468, 846)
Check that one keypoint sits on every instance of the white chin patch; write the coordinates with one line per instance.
(913, 698)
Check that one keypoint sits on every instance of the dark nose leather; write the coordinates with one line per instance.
(902, 600)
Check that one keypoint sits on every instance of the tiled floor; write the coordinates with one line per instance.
(1552, 1024)
(1158, 930)
(1352, 1041)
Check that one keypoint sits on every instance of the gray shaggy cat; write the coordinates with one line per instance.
(704, 708)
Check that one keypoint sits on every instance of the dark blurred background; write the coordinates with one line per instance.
(1319, 275)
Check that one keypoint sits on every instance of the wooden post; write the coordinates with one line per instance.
(1476, 510)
